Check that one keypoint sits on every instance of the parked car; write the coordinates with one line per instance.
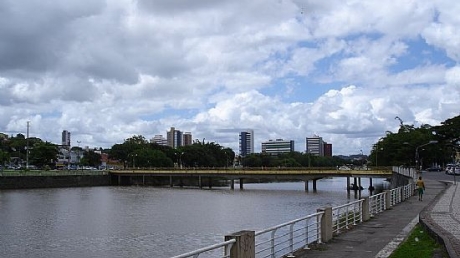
(434, 169)
(451, 170)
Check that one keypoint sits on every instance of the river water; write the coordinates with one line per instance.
(149, 221)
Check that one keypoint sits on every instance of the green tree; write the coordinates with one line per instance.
(91, 158)
(43, 153)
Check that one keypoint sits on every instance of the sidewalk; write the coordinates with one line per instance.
(380, 236)
(443, 219)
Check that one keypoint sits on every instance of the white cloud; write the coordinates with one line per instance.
(108, 70)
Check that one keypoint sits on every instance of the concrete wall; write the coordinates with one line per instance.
(398, 180)
(22, 182)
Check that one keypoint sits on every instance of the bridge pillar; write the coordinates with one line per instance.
(209, 182)
(348, 184)
(200, 183)
(245, 246)
(306, 185)
(232, 184)
(241, 183)
(359, 183)
(314, 184)
(371, 186)
(171, 181)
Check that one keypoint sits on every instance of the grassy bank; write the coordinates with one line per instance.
(419, 244)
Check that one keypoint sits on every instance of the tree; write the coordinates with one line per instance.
(43, 153)
(91, 158)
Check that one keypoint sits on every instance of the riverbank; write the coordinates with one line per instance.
(52, 179)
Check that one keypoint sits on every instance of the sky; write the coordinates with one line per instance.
(287, 69)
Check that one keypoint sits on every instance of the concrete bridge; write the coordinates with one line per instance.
(200, 176)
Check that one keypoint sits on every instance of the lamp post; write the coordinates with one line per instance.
(79, 153)
(417, 153)
(133, 155)
(27, 147)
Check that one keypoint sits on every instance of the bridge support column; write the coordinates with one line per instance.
(143, 180)
(245, 246)
(359, 183)
(314, 184)
(371, 186)
(232, 184)
(200, 183)
(209, 182)
(306, 185)
(355, 183)
(171, 181)
(348, 184)
(241, 183)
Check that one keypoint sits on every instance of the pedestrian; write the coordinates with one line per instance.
(420, 187)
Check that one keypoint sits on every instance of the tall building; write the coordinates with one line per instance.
(315, 145)
(160, 140)
(275, 147)
(174, 138)
(65, 138)
(187, 138)
(246, 142)
(327, 149)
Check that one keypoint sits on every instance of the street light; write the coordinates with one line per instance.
(417, 154)
(133, 155)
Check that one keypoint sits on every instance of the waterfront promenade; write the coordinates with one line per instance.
(381, 235)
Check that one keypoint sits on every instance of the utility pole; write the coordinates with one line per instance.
(27, 146)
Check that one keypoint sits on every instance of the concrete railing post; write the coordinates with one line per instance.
(244, 247)
(401, 194)
(326, 224)
(366, 213)
(387, 199)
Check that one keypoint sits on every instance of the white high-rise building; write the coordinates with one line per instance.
(160, 140)
(65, 138)
(278, 146)
(315, 145)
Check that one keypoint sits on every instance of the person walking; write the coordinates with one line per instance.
(420, 187)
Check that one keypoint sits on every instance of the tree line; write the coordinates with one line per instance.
(400, 148)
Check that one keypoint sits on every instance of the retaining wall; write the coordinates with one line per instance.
(22, 182)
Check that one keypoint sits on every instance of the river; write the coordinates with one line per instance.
(149, 221)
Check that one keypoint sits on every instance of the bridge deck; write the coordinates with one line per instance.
(256, 172)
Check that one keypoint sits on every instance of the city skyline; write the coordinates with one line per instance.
(108, 70)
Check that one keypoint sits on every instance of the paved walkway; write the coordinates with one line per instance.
(381, 235)
(443, 219)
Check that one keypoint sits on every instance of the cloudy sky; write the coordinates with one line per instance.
(343, 70)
